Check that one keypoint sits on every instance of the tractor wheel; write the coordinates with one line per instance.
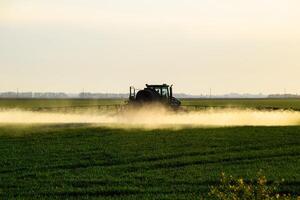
(145, 96)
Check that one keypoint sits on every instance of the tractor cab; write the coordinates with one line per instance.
(162, 90)
(154, 93)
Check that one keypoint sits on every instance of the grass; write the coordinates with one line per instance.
(72, 161)
(93, 103)
(56, 103)
(245, 103)
(88, 162)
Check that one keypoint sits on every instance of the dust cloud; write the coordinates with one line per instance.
(157, 117)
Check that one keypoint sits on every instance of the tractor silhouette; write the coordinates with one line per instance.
(162, 94)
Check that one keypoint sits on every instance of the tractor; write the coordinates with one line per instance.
(162, 94)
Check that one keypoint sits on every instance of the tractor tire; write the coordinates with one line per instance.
(145, 96)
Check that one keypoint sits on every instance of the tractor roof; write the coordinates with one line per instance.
(162, 85)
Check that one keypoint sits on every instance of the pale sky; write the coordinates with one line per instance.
(240, 46)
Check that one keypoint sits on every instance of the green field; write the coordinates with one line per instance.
(93, 103)
(245, 103)
(56, 103)
(85, 161)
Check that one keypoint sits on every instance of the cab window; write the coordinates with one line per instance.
(158, 90)
(165, 92)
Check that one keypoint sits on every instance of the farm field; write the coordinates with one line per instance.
(232, 103)
(245, 103)
(56, 103)
(89, 161)
(86, 162)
